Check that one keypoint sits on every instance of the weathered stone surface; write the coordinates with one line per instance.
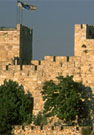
(14, 42)
(46, 130)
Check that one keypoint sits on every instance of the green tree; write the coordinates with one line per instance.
(15, 106)
(39, 119)
(67, 99)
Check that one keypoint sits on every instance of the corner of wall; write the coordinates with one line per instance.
(19, 27)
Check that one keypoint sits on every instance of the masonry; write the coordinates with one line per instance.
(15, 43)
(16, 60)
(46, 130)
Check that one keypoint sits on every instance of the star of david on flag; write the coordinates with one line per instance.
(26, 6)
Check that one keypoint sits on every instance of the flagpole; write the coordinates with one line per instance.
(21, 17)
(21, 6)
(18, 15)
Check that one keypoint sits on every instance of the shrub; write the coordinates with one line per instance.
(39, 119)
(86, 131)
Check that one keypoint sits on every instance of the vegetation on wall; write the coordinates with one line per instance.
(86, 131)
(39, 119)
(15, 106)
(68, 100)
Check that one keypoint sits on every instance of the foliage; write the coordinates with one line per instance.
(39, 119)
(68, 100)
(15, 106)
(86, 131)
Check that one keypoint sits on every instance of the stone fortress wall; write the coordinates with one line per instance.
(46, 130)
(32, 73)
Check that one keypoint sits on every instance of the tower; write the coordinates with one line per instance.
(16, 43)
(84, 40)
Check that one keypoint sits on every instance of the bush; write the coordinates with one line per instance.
(39, 119)
(86, 131)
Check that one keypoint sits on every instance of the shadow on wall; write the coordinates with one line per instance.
(90, 32)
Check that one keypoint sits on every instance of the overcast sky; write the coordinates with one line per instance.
(52, 23)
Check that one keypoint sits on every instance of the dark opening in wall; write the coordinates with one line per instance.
(81, 26)
(6, 67)
(61, 128)
(84, 46)
(61, 64)
(52, 128)
(41, 127)
(54, 58)
(23, 128)
(67, 58)
(85, 51)
(77, 128)
(90, 32)
(32, 127)
(39, 62)
(21, 67)
(35, 67)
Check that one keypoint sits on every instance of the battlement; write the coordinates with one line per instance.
(56, 130)
(86, 30)
(7, 29)
(80, 26)
(13, 43)
(16, 60)
(84, 40)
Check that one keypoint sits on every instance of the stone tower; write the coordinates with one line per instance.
(84, 40)
(16, 43)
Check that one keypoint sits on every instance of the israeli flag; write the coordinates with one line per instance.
(26, 6)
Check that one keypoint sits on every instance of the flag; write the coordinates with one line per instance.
(26, 6)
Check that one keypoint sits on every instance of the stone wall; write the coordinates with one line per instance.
(16, 64)
(31, 130)
(9, 44)
(32, 76)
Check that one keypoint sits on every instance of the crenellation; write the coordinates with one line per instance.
(46, 130)
(49, 58)
(84, 40)
(13, 67)
(28, 67)
(35, 62)
(16, 61)
(61, 58)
